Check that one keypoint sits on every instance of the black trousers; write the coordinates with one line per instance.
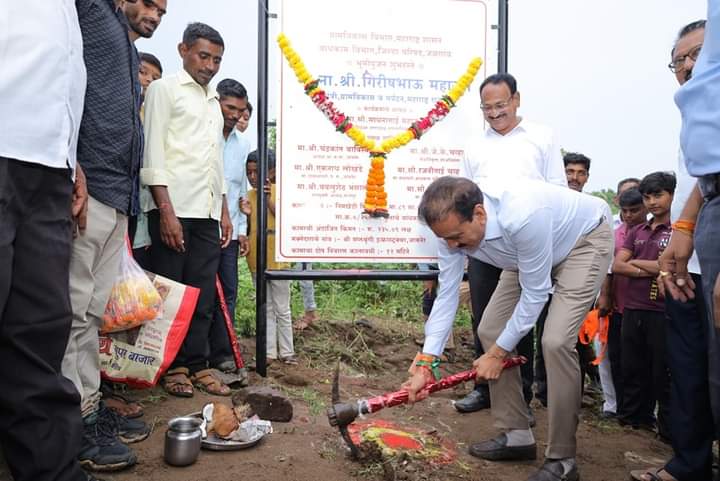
(646, 379)
(483, 279)
(40, 424)
(691, 422)
(196, 267)
(540, 372)
(614, 353)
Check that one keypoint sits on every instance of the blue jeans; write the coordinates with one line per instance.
(707, 234)
(307, 288)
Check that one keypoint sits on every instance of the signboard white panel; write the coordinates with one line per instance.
(384, 63)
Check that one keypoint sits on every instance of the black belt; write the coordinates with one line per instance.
(709, 186)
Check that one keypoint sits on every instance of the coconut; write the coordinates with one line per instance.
(224, 420)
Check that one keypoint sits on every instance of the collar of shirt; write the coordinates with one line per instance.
(520, 127)
(648, 225)
(492, 226)
(185, 79)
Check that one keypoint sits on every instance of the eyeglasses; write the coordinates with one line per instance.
(678, 63)
(497, 107)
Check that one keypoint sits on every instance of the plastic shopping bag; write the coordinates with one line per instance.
(133, 300)
(139, 357)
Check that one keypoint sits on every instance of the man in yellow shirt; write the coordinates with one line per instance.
(188, 213)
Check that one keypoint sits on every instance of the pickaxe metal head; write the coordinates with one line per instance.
(342, 414)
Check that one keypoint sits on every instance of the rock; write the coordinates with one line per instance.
(366, 323)
(267, 403)
(295, 380)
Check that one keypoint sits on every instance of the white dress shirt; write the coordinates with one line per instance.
(529, 151)
(683, 189)
(184, 146)
(530, 228)
(42, 85)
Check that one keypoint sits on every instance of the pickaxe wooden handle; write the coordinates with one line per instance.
(343, 414)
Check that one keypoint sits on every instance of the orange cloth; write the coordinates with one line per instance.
(592, 326)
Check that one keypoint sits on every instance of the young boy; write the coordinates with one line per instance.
(279, 322)
(633, 213)
(645, 375)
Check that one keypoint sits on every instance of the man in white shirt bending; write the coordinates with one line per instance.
(545, 238)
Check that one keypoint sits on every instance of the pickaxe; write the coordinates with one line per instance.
(343, 414)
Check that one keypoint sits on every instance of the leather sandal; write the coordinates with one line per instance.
(651, 474)
(123, 406)
(208, 382)
(177, 383)
(119, 403)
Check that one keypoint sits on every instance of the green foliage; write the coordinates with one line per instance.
(608, 195)
(349, 300)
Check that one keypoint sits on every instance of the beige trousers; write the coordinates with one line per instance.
(279, 321)
(94, 266)
(576, 281)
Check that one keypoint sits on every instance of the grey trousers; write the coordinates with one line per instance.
(94, 267)
(577, 281)
(707, 236)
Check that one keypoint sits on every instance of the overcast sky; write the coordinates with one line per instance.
(594, 71)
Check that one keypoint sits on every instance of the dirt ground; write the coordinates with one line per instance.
(374, 360)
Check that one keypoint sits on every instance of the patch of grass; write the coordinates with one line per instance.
(312, 398)
(314, 401)
(346, 300)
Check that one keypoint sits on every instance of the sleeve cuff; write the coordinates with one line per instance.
(149, 176)
(433, 346)
(507, 341)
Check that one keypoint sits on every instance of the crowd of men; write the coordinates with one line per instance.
(122, 150)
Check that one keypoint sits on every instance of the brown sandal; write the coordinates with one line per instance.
(123, 406)
(206, 381)
(651, 474)
(177, 383)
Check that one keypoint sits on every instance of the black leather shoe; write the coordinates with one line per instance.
(496, 449)
(476, 400)
(553, 470)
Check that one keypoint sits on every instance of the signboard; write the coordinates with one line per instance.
(384, 64)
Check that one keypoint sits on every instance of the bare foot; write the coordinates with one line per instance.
(305, 321)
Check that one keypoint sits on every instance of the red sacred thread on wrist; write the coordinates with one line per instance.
(164, 206)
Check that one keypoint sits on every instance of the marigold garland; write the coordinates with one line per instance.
(376, 198)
